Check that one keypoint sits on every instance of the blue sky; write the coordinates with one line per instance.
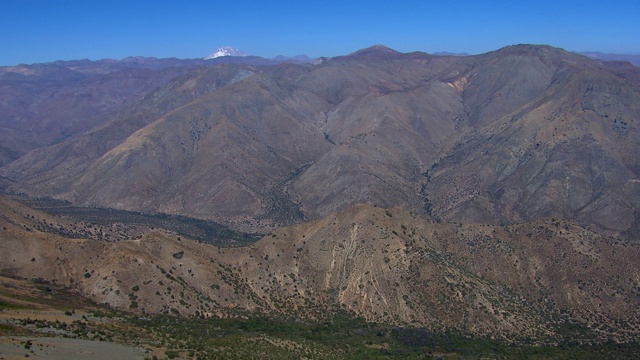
(47, 30)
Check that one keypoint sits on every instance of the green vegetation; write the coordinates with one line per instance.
(342, 337)
(5, 328)
(245, 335)
(7, 305)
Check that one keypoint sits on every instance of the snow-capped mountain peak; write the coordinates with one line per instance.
(225, 51)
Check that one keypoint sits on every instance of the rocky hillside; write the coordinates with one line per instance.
(543, 280)
(49, 103)
(519, 134)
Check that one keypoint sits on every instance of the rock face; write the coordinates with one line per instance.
(533, 280)
(519, 134)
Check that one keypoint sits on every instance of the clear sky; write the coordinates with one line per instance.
(47, 30)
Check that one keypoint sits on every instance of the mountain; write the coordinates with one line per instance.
(523, 133)
(545, 281)
(45, 104)
(300, 59)
(494, 196)
(562, 150)
(445, 53)
(48, 103)
(632, 58)
(225, 51)
(375, 50)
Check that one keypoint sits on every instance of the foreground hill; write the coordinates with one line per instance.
(519, 134)
(544, 281)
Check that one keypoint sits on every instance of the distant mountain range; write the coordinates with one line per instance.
(234, 52)
(632, 58)
(518, 134)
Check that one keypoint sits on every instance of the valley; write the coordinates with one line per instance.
(102, 224)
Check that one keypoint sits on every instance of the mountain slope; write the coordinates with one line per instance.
(567, 153)
(274, 123)
(529, 281)
(48, 103)
(519, 134)
(49, 170)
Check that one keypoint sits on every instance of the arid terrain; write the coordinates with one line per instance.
(546, 282)
(519, 134)
(390, 204)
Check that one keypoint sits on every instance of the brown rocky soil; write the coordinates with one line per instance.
(529, 280)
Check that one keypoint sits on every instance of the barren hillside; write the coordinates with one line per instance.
(519, 134)
(541, 280)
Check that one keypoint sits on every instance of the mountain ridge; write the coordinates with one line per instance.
(294, 142)
(525, 282)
